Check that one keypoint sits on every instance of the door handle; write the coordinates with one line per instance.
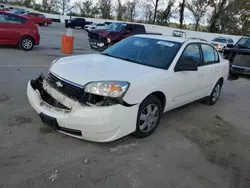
(200, 74)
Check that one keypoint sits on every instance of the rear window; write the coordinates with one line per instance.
(145, 51)
(220, 40)
(12, 19)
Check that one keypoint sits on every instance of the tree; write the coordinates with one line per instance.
(49, 6)
(105, 8)
(219, 7)
(198, 9)
(63, 6)
(147, 12)
(85, 8)
(121, 10)
(165, 15)
(181, 11)
(131, 10)
(156, 2)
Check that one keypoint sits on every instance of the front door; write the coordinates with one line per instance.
(184, 86)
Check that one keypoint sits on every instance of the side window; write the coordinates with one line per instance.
(209, 54)
(128, 30)
(2, 18)
(217, 58)
(11, 19)
(191, 54)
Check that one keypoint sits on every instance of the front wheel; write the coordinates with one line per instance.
(148, 118)
(26, 43)
(215, 94)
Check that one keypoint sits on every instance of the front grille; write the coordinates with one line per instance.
(94, 36)
(67, 88)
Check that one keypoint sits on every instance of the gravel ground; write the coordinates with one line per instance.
(196, 146)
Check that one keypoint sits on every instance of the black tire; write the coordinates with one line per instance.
(214, 96)
(45, 24)
(40, 24)
(148, 130)
(26, 43)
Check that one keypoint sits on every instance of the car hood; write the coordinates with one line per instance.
(105, 33)
(82, 69)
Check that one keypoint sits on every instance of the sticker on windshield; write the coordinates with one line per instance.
(169, 44)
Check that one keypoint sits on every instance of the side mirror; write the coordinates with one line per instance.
(185, 65)
(230, 45)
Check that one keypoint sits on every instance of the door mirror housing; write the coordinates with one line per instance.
(230, 45)
(186, 64)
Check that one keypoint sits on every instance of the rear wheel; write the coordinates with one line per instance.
(215, 94)
(26, 43)
(148, 117)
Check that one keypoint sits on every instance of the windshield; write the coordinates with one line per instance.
(220, 40)
(244, 42)
(145, 51)
(116, 26)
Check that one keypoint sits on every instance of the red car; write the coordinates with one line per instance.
(18, 30)
(39, 19)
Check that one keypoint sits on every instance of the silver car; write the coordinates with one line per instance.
(221, 43)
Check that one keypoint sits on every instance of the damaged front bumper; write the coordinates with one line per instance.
(71, 117)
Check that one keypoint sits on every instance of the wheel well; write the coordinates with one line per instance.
(161, 96)
(28, 37)
(221, 80)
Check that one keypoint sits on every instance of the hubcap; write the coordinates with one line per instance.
(27, 44)
(216, 93)
(148, 118)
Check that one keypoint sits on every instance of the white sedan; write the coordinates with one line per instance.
(95, 26)
(127, 88)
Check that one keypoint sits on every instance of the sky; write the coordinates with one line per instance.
(162, 5)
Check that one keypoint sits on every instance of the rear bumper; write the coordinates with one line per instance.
(236, 69)
(37, 39)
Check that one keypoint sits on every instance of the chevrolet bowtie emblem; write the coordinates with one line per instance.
(59, 84)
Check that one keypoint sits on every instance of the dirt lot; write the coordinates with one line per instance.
(194, 147)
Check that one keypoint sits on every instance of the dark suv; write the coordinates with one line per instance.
(76, 22)
(239, 57)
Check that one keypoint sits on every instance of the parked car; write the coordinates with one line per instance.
(95, 26)
(101, 39)
(239, 57)
(18, 30)
(76, 22)
(38, 18)
(126, 88)
(195, 38)
(221, 43)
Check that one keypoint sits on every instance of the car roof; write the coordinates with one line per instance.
(222, 38)
(13, 14)
(174, 39)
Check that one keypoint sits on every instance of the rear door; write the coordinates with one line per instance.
(11, 27)
(209, 70)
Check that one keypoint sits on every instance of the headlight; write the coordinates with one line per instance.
(107, 88)
(108, 40)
